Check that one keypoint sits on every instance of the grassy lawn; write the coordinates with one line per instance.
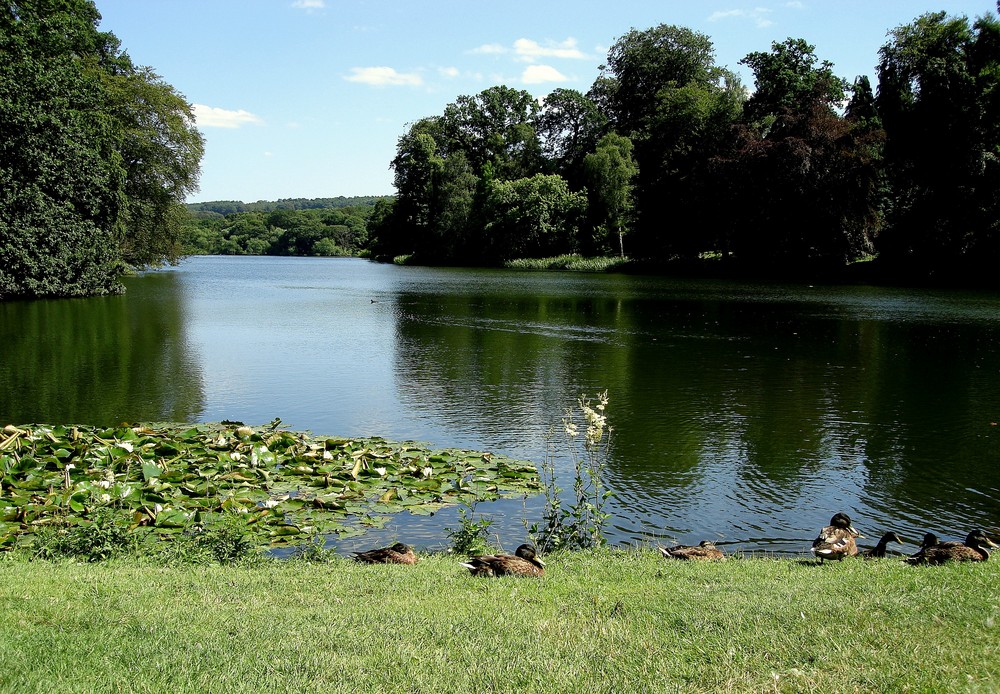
(605, 622)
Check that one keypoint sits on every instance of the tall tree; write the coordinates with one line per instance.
(568, 127)
(89, 181)
(939, 101)
(611, 172)
(662, 89)
(800, 178)
(494, 126)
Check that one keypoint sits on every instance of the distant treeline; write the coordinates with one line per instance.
(319, 227)
(668, 158)
(225, 207)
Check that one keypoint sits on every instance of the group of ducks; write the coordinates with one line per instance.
(524, 561)
(837, 541)
(834, 542)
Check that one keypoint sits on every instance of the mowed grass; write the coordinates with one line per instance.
(611, 621)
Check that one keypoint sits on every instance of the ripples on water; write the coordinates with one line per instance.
(743, 413)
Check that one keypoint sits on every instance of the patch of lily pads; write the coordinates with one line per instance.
(169, 479)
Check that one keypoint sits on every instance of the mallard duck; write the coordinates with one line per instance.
(703, 551)
(396, 554)
(878, 551)
(836, 540)
(934, 552)
(524, 562)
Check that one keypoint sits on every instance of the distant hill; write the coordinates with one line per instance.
(224, 207)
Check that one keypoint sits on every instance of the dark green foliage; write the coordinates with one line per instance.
(795, 179)
(472, 536)
(939, 100)
(103, 535)
(96, 154)
(229, 541)
(803, 178)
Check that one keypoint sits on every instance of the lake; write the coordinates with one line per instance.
(742, 413)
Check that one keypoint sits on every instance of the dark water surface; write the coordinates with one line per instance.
(745, 413)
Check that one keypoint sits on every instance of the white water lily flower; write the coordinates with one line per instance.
(105, 498)
(236, 455)
(158, 508)
(271, 503)
(126, 446)
(381, 471)
(104, 484)
(428, 471)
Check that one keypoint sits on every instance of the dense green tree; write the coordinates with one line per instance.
(95, 154)
(802, 176)
(532, 217)
(662, 89)
(568, 126)
(495, 126)
(610, 171)
(939, 101)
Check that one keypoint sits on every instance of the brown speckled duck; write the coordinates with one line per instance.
(836, 540)
(703, 551)
(396, 554)
(934, 552)
(879, 550)
(524, 562)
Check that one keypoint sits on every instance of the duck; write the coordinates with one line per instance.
(703, 551)
(524, 562)
(878, 551)
(396, 554)
(836, 540)
(973, 549)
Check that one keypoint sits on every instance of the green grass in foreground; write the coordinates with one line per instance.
(598, 622)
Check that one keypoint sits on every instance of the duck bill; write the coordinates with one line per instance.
(853, 531)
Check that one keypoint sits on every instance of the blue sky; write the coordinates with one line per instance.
(307, 98)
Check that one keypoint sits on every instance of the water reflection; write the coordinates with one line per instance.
(743, 414)
(100, 361)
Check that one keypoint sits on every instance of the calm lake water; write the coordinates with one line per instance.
(743, 413)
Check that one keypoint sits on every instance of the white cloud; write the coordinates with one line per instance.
(536, 74)
(211, 117)
(309, 5)
(529, 50)
(796, 4)
(449, 72)
(757, 15)
(384, 76)
(489, 49)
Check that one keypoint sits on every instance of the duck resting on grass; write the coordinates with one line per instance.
(396, 554)
(836, 540)
(524, 562)
(879, 550)
(703, 551)
(934, 552)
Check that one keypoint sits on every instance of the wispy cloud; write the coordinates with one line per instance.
(449, 72)
(384, 77)
(758, 15)
(309, 5)
(211, 117)
(529, 50)
(489, 49)
(537, 74)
